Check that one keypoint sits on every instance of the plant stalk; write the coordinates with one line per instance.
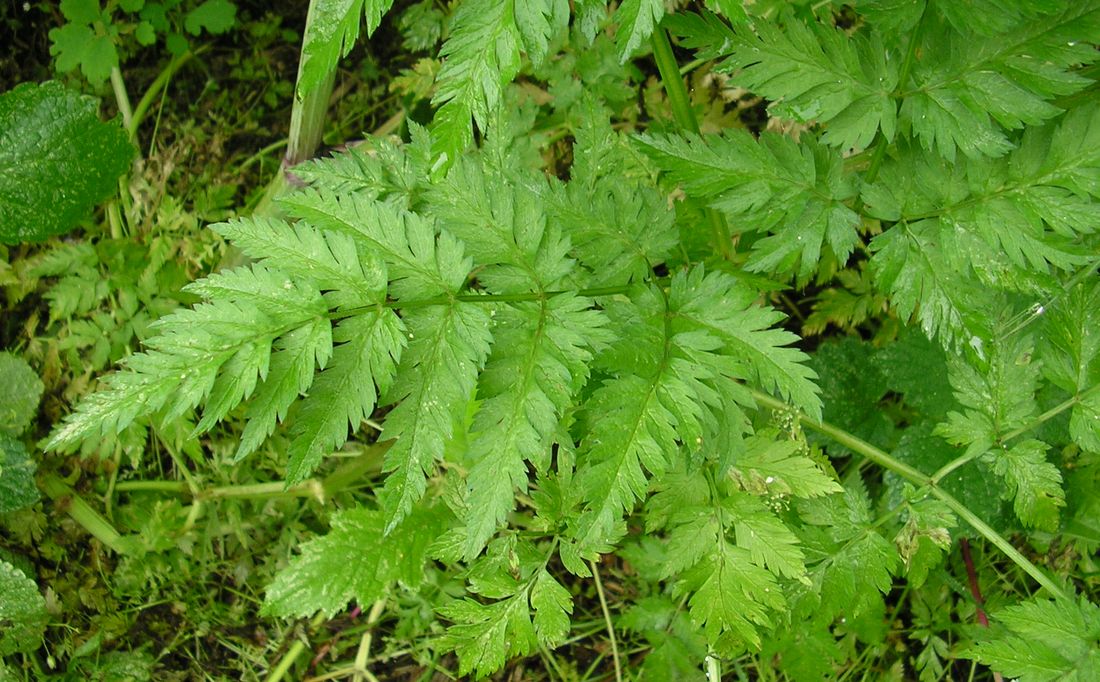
(921, 480)
(80, 511)
(307, 117)
(685, 118)
(155, 88)
(607, 621)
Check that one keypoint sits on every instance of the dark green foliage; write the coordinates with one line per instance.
(57, 160)
(568, 371)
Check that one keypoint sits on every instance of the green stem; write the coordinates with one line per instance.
(307, 117)
(482, 298)
(121, 97)
(1051, 413)
(685, 118)
(370, 461)
(1015, 433)
(673, 82)
(952, 465)
(292, 654)
(80, 511)
(607, 621)
(277, 144)
(921, 480)
(161, 81)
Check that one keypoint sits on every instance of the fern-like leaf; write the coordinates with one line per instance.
(481, 57)
(231, 335)
(812, 72)
(1043, 640)
(969, 88)
(794, 191)
(354, 561)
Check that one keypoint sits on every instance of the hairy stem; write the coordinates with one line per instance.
(918, 478)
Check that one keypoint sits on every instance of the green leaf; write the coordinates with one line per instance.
(779, 467)
(1042, 641)
(346, 392)
(485, 635)
(552, 604)
(996, 402)
(919, 447)
(539, 362)
(447, 347)
(637, 19)
(22, 610)
(17, 468)
(77, 45)
(996, 399)
(853, 385)
(80, 11)
(769, 541)
(290, 374)
(212, 353)
(632, 419)
(481, 56)
(332, 29)
(731, 597)
(20, 391)
(57, 160)
(354, 561)
(970, 87)
(619, 228)
(722, 307)
(1032, 483)
(419, 264)
(818, 73)
(793, 191)
(538, 22)
(917, 369)
(1071, 358)
(330, 260)
(917, 264)
(850, 563)
(213, 16)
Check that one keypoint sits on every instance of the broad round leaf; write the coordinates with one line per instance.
(20, 390)
(57, 160)
(17, 489)
(22, 611)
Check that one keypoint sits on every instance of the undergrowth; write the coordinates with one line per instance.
(524, 389)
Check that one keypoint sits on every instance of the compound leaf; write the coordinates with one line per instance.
(1043, 640)
(792, 192)
(353, 561)
(481, 57)
(818, 73)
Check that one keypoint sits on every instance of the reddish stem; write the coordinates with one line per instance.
(975, 590)
(972, 578)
